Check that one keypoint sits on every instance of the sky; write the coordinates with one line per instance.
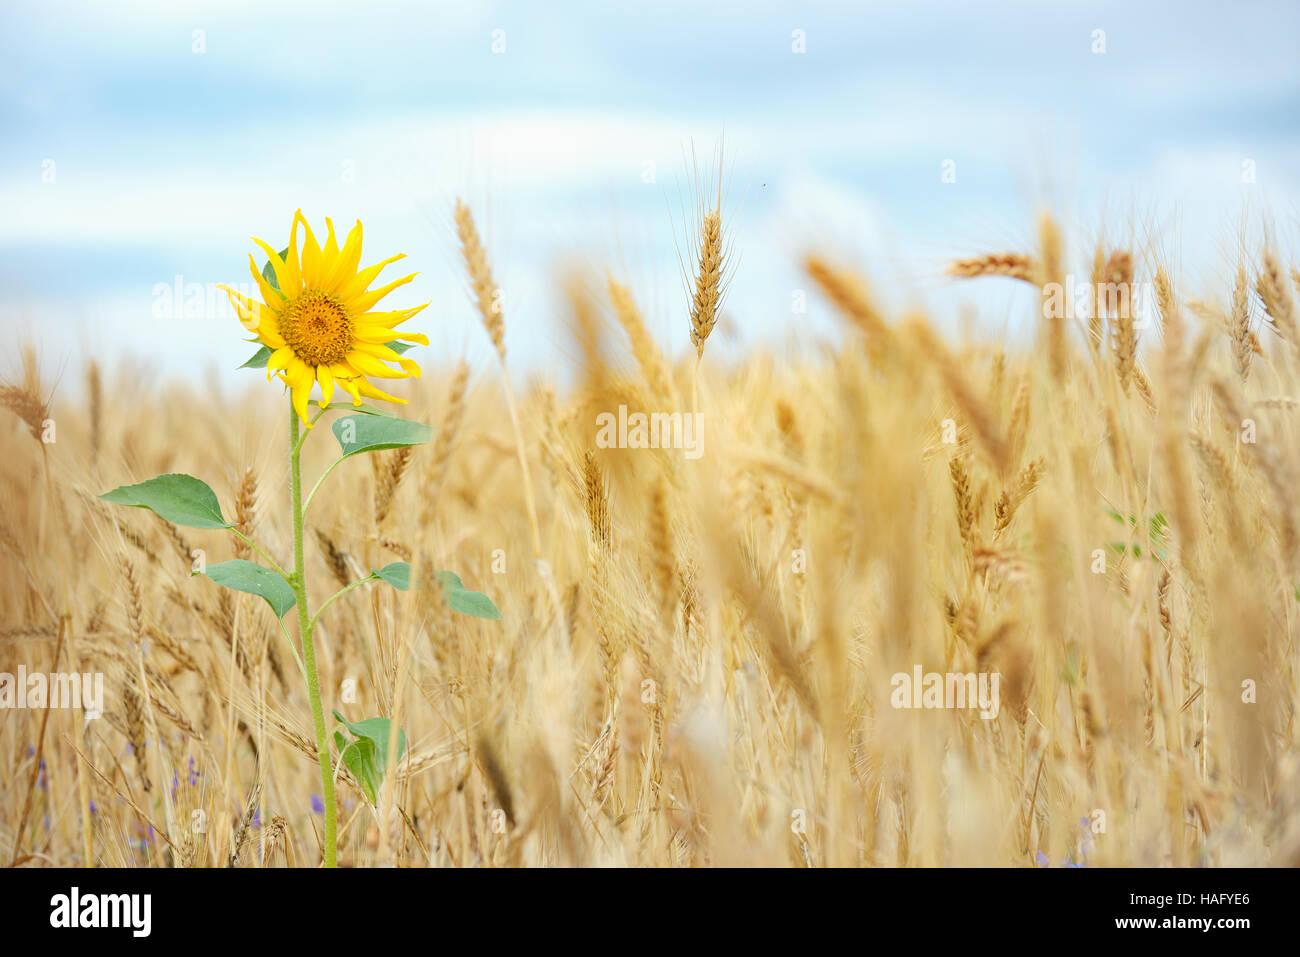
(142, 144)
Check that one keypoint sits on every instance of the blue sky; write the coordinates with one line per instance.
(165, 160)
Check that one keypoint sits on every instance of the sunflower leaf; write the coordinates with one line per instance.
(259, 359)
(373, 433)
(268, 271)
(359, 758)
(401, 347)
(179, 498)
(255, 580)
(397, 574)
(458, 597)
(463, 600)
(366, 756)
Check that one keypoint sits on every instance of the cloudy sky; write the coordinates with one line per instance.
(147, 141)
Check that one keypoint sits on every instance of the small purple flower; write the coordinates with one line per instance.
(257, 818)
(317, 804)
(1042, 860)
(94, 809)
(30, 751)
(1086, 843)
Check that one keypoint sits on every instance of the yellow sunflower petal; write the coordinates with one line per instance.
(376, 349)
(270, 295)
(369, 365)
(326, 380)
(248, 310)
(383, 334)
(280, 359)
(301, 393)
(357, 284)
(269, 332)
(300, 377)
(379, 320)
(345, 265)
(291, 256)
(392, 318)
(286, 276)
(331, 244)
(347, 380)
(311, 254)
(364, 302)
(370, 392)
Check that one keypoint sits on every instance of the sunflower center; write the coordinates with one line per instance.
(317, 328)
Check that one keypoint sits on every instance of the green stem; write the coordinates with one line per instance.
(297, 446)
(319, 482)
(261, 551)
(338, 594)
(297, 656)
(299, 583)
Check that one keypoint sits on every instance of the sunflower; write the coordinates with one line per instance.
(318, 322)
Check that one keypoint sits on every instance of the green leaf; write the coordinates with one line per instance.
(373, 433)
(401, 348)
(359, 758)
(365, 756)
(256, 580)
(463, 600)
(454, 592)
(259, 360)
(397, 574)
(268, 271)
(179, 498)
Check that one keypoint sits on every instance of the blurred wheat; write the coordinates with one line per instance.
(702, 676)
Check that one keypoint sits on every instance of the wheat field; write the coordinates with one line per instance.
(696, 657)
